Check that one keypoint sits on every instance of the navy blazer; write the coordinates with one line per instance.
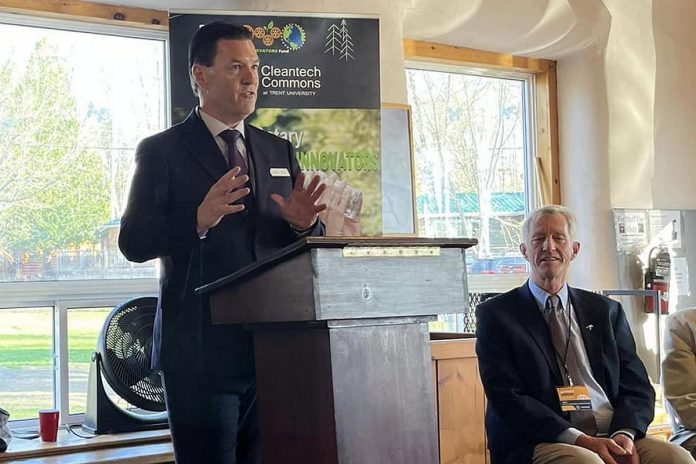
(520, 373)
(174, 171)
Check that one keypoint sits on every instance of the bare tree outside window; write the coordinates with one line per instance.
(469, 143)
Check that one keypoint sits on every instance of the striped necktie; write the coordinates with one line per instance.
(559, 329)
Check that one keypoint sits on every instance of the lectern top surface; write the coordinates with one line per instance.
(308, 243)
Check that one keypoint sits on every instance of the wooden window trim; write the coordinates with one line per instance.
(547, 163)
(89, 12)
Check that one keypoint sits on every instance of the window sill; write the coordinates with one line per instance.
(138, 447)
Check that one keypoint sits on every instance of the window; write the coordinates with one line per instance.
(26, 361)
(472, 148)
(75, 104)
(84, 326)
(76, 98)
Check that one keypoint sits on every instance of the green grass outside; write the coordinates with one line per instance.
(26, 341)
(32, 351)
(25, 405)
(26, 336)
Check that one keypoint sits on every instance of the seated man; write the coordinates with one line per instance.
(679, 377)
(559, 365)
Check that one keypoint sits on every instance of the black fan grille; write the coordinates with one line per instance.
(127, 344)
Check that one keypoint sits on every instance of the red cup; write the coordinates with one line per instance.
(48, 424)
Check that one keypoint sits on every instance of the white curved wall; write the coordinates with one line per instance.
(675, 104)
(585, 180)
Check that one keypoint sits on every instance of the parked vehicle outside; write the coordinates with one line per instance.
(500, 265)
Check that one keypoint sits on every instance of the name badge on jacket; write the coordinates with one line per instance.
(280, 172)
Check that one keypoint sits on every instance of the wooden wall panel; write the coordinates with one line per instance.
(461, 402)
(461, 412)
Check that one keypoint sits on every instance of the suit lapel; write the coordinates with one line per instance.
(200, 143)
(589, 323)
(531, 318)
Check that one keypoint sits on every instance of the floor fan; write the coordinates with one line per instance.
(122, 359)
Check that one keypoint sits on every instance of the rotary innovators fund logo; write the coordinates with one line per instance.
(290, 36)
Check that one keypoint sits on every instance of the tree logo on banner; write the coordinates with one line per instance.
(339, 42)
(292, 35)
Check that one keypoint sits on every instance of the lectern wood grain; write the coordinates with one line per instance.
(322, 284)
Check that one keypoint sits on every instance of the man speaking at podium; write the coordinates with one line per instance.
(209, 196)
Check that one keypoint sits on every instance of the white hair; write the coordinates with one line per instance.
(548, 210)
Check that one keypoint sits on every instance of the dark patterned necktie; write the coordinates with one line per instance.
(234, 157)
(582, 420)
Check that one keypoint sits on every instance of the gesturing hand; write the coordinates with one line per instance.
(300, 209)
(218, 202)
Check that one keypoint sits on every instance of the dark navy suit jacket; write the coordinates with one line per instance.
(520, 373)
(174, 171)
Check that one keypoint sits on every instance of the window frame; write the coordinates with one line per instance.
(63, 295)
(532, 194)
(543, 104)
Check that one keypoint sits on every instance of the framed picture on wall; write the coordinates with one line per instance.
(398, 187)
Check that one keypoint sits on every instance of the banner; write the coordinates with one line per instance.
(319, 89)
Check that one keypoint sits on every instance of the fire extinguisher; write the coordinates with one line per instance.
(657, 278)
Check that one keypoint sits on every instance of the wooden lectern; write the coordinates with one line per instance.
(341, 343)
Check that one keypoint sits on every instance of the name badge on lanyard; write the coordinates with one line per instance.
(575, 398)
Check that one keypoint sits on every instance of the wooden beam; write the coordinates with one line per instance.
(548, 169)
(449, 54)
(88, 11)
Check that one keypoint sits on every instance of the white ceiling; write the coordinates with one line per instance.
(537, 28)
